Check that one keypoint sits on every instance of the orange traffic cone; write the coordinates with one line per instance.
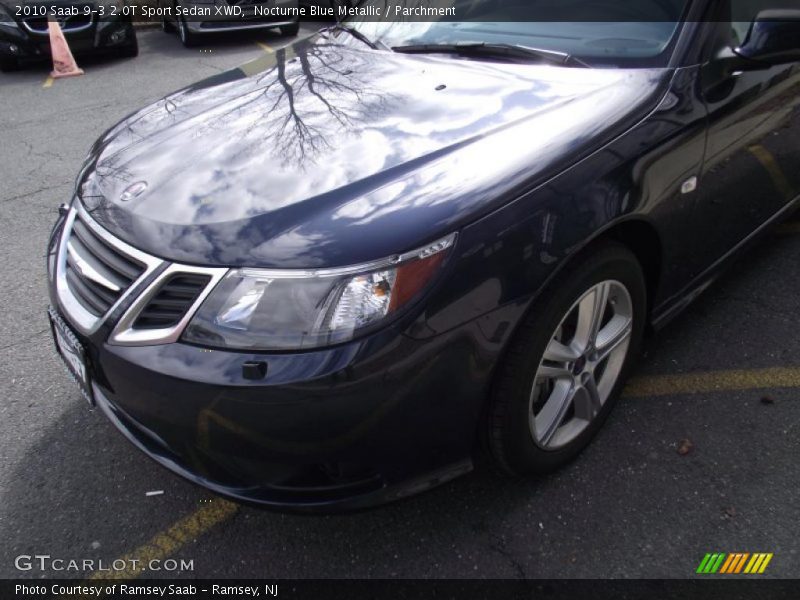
(64, 64)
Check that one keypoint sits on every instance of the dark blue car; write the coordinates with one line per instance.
(331, 277)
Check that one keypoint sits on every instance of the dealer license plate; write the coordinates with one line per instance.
(72, 353)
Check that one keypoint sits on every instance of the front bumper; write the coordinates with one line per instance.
(336, 429)
(227, 25)
(210, 21)
(330, 430)
(340, 428)
(106, 34)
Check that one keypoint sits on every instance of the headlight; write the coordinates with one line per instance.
(253, 309)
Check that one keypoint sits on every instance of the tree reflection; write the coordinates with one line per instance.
(292, 106)
(312, 97)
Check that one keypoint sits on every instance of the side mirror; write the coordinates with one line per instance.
(774, 38)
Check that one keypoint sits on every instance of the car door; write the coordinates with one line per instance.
(752, 164)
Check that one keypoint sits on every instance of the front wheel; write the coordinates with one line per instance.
(567, 364)
(131, 49)
(188, 39)
(8, 64)
(290, 30)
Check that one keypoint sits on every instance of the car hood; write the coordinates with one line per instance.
(326, 154)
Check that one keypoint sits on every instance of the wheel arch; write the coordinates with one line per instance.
(644, 240)
(635, 239)
(637, 234)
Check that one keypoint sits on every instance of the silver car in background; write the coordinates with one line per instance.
(195, 19)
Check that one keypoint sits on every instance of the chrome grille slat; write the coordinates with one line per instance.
(90, 300)
(123, 266)
(160, 314)
(95, 271)
(84, 262)
(90, 269)
(171, 301)
(103, 296)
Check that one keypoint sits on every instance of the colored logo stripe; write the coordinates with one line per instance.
(710, 563)
(758, 563)
(734, 563)
(732, 558)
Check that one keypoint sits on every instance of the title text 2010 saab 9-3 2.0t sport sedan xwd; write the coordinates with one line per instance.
(328, 278)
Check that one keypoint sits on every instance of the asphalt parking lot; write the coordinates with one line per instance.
(700, 456)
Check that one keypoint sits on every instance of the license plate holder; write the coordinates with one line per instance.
(73, 354)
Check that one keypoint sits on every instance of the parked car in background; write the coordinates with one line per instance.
(325, 279)
(195, 28)
(24, 32)
(308, 4)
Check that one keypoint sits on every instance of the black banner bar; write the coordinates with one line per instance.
(728, 588)
(387, 11)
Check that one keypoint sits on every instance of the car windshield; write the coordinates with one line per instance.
(620, 33)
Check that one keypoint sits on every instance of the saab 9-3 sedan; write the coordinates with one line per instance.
(333, 276)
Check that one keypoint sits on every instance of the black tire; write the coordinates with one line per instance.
(8, 64)
(131, 49)
(188, 39)
(508, 430)
(290, 30)
(166, 26)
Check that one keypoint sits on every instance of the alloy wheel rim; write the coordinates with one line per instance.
(581, 365)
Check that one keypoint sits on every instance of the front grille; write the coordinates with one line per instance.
(70, 23)
(97, 273)
(171, 302)
(37, 24)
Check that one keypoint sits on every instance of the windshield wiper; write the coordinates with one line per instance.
(356, 34)
(494, 50)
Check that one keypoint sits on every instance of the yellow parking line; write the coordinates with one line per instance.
(47, 82)
(713, 381)
(265, 48)
(169, 541)
(768, 161)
